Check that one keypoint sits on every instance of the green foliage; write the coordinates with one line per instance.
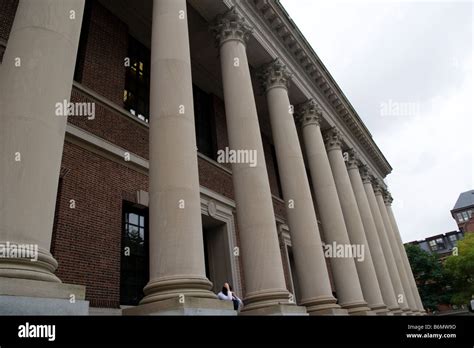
(432, 280)
(461, 270)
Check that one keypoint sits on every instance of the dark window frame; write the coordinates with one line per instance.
(125, 297)
(136, 92)
(204, 122)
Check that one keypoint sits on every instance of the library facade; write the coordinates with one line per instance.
(153, 150)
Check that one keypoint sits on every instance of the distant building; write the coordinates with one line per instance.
(441, 244)
(463, 211)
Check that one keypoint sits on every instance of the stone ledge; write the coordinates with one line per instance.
(35, 288)
(23, 305)
(281, 309)
(191, 306)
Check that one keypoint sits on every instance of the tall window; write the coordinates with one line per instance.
(204, 123)
(136, 96)
(134, 261)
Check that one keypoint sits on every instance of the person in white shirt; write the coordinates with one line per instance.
(226, 294)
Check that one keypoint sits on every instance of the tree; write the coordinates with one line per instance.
(460, 267)
(430, 276)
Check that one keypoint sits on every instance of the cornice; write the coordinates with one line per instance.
(283, 27)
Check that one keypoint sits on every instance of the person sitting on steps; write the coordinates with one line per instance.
(226, 294)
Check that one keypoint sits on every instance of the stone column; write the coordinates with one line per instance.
(177, 266)
(36, 76)
(388, 205)
(373, 240)
(348, 289)
(384, 241)
(395, 249)
(311, 271)
(355, 228)
(263, 268)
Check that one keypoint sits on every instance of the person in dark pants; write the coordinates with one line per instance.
(226, 294)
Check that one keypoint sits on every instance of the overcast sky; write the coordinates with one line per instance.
(412, 55)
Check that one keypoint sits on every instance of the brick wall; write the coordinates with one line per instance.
(87, 238)
(106, 49)
(109, 125)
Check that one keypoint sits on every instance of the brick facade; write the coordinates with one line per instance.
(87, 239)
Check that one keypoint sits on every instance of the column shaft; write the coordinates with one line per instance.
(311, 270)
(263, 268)
(389, 258)
(355, 228)
(176, 241)
(349, 292)
(395, 250)
(406, 263)
(36, 75)
(373, 240)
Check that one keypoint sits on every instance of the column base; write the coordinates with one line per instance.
(183, 306)
(277, 309)
(177, 287)
(357, 308)
(323, 305)
(363, 313)
(34, 297)
(395, 310)
(329, 311)
(381, 311)
(41, 269)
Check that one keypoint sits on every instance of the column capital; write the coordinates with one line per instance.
(309, 112)
(377, 186)
(387, 197)
(333, 139)
(366, 174)
(274, 74)
(353, 160)
(231, 26)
